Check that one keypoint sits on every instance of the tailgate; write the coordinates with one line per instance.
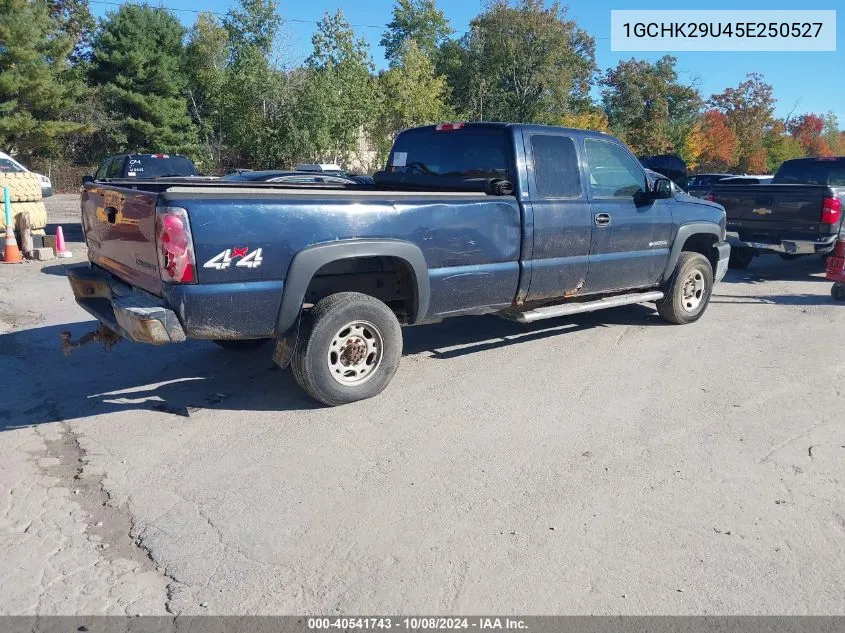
(767, 213)
(119, 227)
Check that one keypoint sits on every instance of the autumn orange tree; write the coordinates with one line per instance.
(807, 130)
(749, 111)
(718, 143)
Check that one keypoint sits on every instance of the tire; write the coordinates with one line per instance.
(837, 291)
(740, 258)
(24, 187)
(688, 291)
(368, 338)
(241, 345)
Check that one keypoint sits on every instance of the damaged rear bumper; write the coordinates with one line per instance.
(132, 313)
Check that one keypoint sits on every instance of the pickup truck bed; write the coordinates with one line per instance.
(542, 232)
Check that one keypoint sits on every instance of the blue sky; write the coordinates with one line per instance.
(813, 80)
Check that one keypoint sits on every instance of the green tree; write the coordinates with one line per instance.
(255, 23)
(749, 110)
(413, 95)
(780, 146)
(523, 63)
(74, 19)
(256, 100)
(647, 106)
(414, 20)
(832, 134)
(37, 89)
(207, 56)
(138, 64)
(341, 100)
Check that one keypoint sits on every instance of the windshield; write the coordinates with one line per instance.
(464, 153)
(8, 167)
(812, 172)
(704, 181)
(153, 167)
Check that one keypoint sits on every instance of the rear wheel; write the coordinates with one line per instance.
(350, 349)
(688, 292)
(740, 257)
(837, 291)
(241, 345)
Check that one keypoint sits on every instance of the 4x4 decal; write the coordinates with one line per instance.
(223, 260)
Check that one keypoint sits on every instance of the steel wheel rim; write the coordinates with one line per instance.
(693, 291)
(355, 353)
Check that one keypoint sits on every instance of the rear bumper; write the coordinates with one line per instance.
(134, 314)
(724, 251)
(791, 247)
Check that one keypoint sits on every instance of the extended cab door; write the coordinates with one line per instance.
(562, 221)
(631, 235)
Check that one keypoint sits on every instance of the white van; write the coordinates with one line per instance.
(9, 164)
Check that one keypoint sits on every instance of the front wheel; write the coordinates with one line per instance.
(688, 292)
(350, 349)
(837, 291)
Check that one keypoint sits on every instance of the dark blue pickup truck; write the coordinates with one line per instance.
(529, 222)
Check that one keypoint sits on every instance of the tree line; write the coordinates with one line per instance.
(74, 89)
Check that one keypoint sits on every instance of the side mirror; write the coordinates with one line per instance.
(661, 189)
(86, 179)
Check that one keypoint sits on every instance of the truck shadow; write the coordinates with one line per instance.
(773, 268)
(183, 379)
(787, 300)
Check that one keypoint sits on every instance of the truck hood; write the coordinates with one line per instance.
(685, 197)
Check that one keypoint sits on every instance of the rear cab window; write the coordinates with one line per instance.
(830, 172)
(705, 181)
(468, 152)
(159, 166)
(556, 166)
(115, 168)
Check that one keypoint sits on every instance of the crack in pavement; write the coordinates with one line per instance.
(109, 526)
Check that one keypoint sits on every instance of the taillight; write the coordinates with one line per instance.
(709, 197)
(176, 262)
(831, 210)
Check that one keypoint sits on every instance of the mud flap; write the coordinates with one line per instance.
(286, 346)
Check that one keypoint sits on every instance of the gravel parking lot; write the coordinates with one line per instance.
(601, 464)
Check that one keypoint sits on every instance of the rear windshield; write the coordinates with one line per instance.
(152, 167)
(812, 172)
(464, 153)
(704, 181)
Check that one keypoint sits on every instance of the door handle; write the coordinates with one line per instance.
(602, 219)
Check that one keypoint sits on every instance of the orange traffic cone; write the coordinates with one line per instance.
(61, 249)
(11, 252)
